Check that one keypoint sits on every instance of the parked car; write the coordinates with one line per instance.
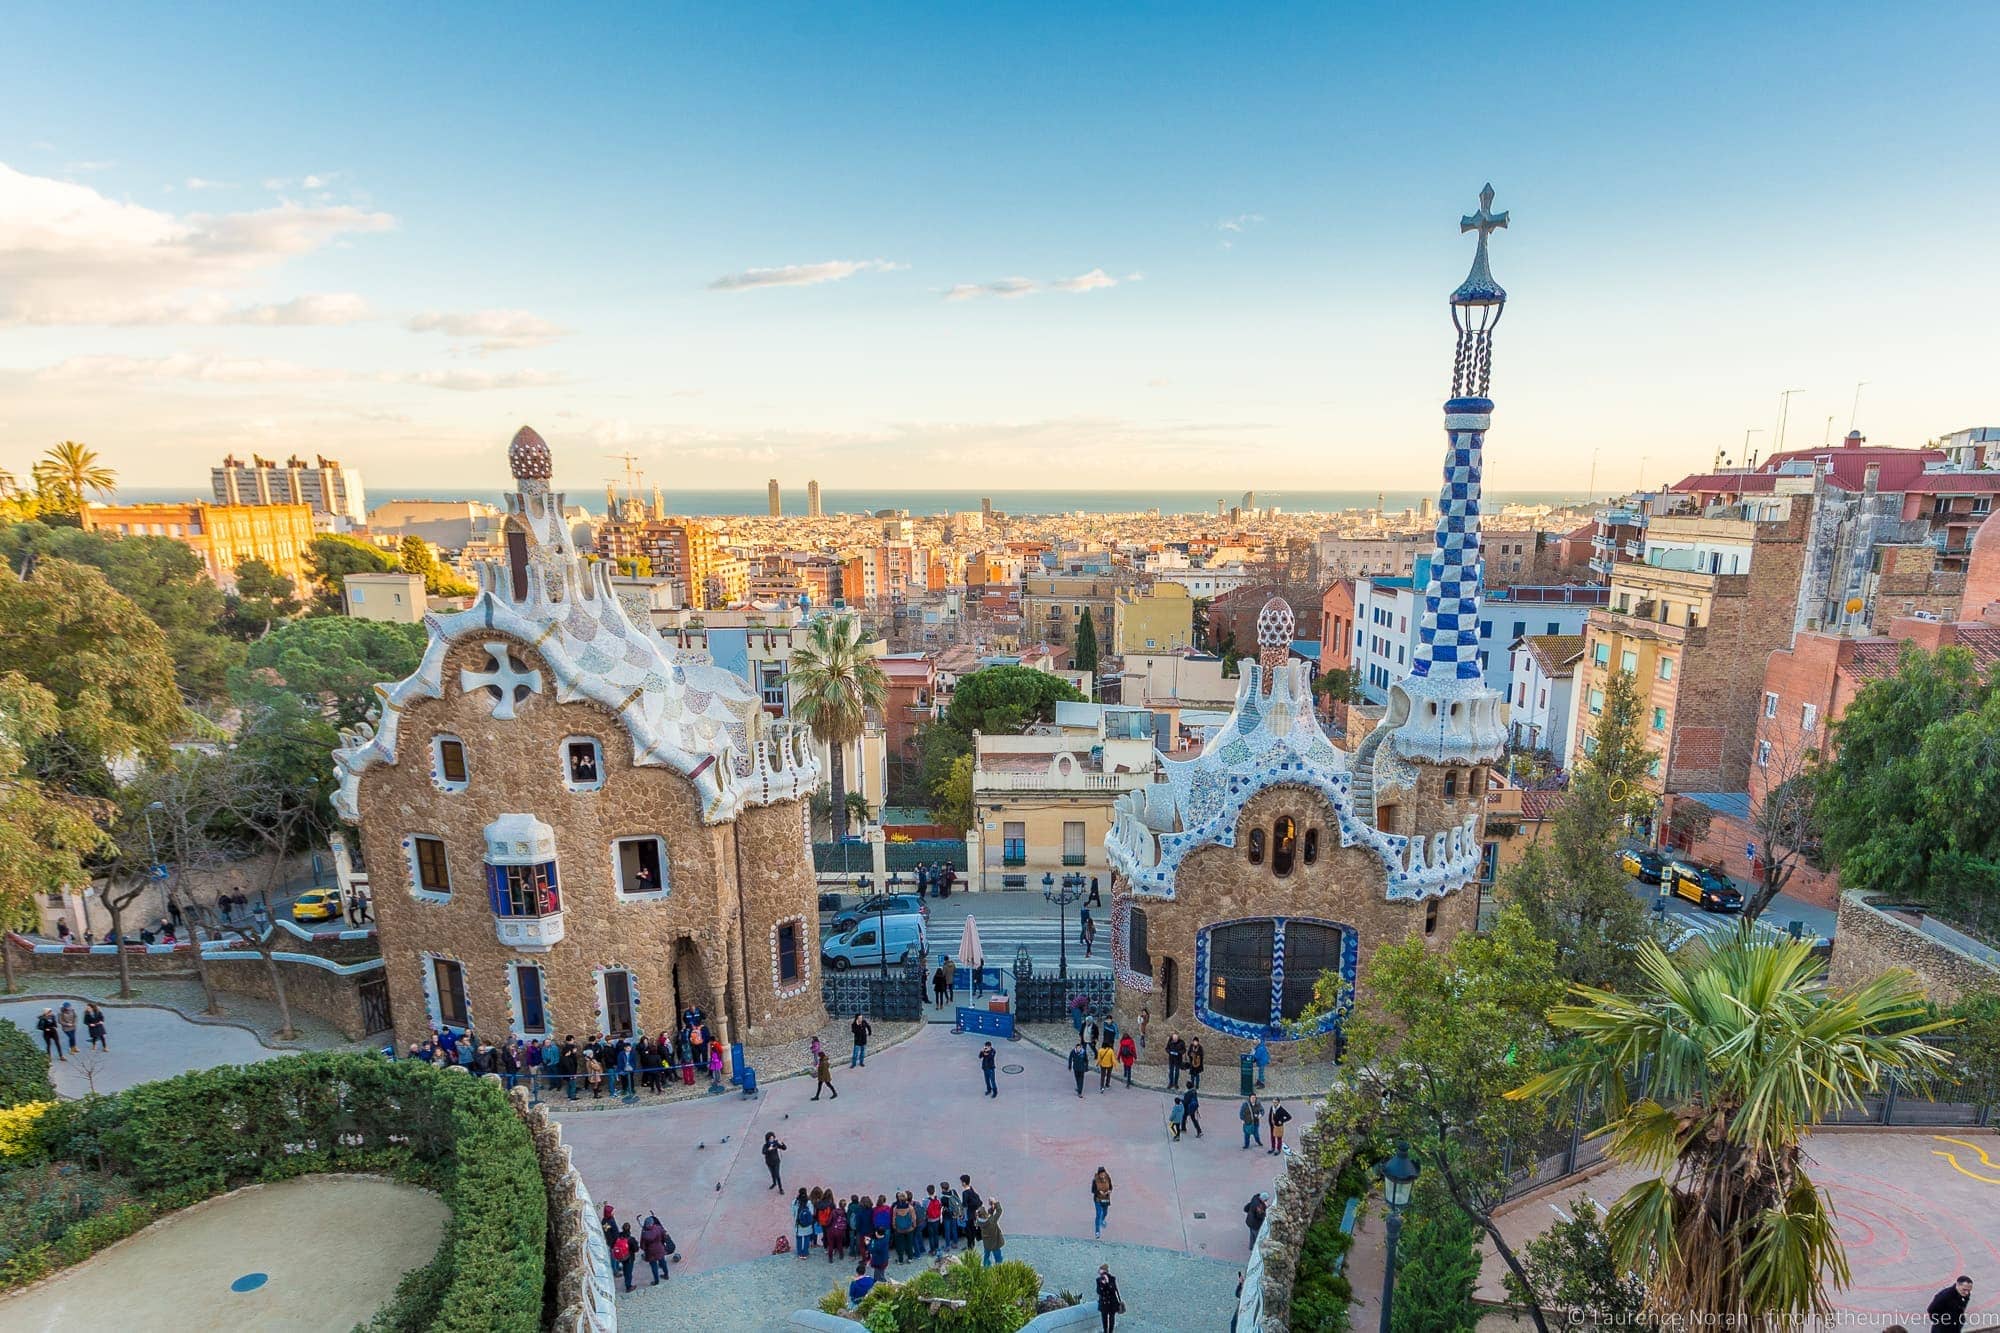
(896, 939)
(1705, 886)
(829, 902)
(1642, 865)
(318, 905)
(877, 904)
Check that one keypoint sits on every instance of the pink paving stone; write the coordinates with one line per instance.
(915, 1116)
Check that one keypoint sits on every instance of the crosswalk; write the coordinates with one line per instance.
(1684, 927)
(1000, 936)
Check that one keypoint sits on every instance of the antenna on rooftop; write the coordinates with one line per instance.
(1855, 415)
(1784, 413)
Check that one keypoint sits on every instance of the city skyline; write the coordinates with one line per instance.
(872, 248)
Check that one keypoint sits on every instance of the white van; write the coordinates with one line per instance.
(897, 938)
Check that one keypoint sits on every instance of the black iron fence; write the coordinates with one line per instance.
(899, 995)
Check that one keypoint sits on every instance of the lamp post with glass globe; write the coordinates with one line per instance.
(1399, 1175)
(1071, 890)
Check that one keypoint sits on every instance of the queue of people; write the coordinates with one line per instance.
(621, 1067)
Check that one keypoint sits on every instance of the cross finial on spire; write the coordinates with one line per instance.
(1485, 221)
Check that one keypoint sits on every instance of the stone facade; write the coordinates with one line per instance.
(1869, 941)
(561, 814)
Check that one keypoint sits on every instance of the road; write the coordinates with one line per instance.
(1784, 909)
(1008, 921)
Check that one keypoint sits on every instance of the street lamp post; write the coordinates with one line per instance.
(1399, 1174)
(1062, 897)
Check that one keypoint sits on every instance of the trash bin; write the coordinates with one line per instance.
(1246, 1076)
(749, 1080)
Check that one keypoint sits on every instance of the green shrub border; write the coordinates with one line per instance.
(198, 1135)
(24, 1069)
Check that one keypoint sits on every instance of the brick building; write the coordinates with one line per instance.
(1693, 622)
(569, 828)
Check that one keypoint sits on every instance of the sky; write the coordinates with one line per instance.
(1027, 246)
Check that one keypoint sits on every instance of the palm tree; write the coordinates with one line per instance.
(835, 681)
(1748, 1049)
(69, 469)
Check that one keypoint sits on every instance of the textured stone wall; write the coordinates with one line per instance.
(1868, 942)
(694, 946)
(575, 1263)
(308, 990)
(1345, 885)
(1301, 1193)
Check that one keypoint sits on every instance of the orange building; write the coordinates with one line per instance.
(222, 535)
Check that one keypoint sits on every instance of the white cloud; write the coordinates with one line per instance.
(85, 168)
(1008, 289)
(800, 275)
(1241, 222)
(496, 330)
(70, 255)
(199, 183)
(222, 368)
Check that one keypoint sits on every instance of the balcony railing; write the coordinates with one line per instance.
(985, 780)
(1074, 859)
(530, 934)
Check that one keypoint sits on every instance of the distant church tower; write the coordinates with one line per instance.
(776, 499)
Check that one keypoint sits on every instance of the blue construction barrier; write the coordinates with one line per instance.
(992, 980)
(985, 1022)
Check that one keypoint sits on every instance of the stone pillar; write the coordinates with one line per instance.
(878, 856)
(975, 858)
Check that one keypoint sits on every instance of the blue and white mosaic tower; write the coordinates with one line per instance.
(1443, 712)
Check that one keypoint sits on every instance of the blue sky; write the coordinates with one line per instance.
(938, 245)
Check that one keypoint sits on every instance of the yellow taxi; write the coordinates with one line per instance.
(318, 905)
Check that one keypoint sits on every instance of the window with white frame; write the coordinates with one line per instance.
(430, 868)
(1763, 754)
(1628, 661)
(639, 866)
(1596, 702)
(1666, 668)
(448, 767)
(1808, 717)
(1770, 705)
(583, 763)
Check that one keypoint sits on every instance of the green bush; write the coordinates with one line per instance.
(998, 1299)
(200, 1134)
(24, 1070)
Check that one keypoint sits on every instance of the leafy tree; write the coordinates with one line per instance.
(1437, 1266)
(1340, 685)
(66, 474)
(331, 558)
(636, 566)
(163, 576)
(994, 701)
(105, 665)
(332, 663)
(1570, 888)
(46, 835)
(1581, 1284)
(1976, 1043)
(439, 578)
(954, 794)
(1909, 806)
(262, 597)
(1783, 826)
(1747, 1049)
(1443, 1036)
(1083, 657)
(835, 682)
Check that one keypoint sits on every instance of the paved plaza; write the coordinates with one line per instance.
(1915, 1209)
(916, 1115)
(146, 1044)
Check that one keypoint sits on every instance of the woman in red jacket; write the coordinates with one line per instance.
(1127, 1053)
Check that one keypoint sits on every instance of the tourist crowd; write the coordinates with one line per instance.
(619, 1066)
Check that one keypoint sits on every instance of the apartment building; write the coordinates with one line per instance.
(1155, 619)
(1541, 712)
(682, 550)
(1044, 800)
(1377, 554)
(331, 491)
(394, 597)
(224, 536)
(1693, 622)
(1052, 604)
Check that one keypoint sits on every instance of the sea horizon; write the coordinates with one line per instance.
(918, 503)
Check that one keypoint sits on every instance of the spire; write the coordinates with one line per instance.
(528, 456)
(1442, 710)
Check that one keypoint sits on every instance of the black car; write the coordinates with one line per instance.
(1642, 865)
(890, 904)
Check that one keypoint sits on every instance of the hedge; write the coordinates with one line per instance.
(205, 1133)
(24, 1069)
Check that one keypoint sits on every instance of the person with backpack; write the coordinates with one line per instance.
(933, 1220)
(836, 1230)
(1106, 1058)
(1100, 1199)
(903, 1223)
(1177, 1120)
(656, 1245)
(1127, 1053)
(802, 1222)
(52, 1037)
(1191, 1110)
(1109, 1304)
(1196, 1058)
(969, 1204)
(1079, 1064)
(949, 1219)
(625, 1252)
(1253, 1215)
(878, 1254)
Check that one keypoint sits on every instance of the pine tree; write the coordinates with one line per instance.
(1084, 656)
(1437, 1267)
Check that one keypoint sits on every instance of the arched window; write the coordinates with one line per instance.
(1312, 845)
(1239, 970)
(1170, 975)
(1430, 916)
(1256, 846)
(1450, 783)
(1284, 844)
(517, 561)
